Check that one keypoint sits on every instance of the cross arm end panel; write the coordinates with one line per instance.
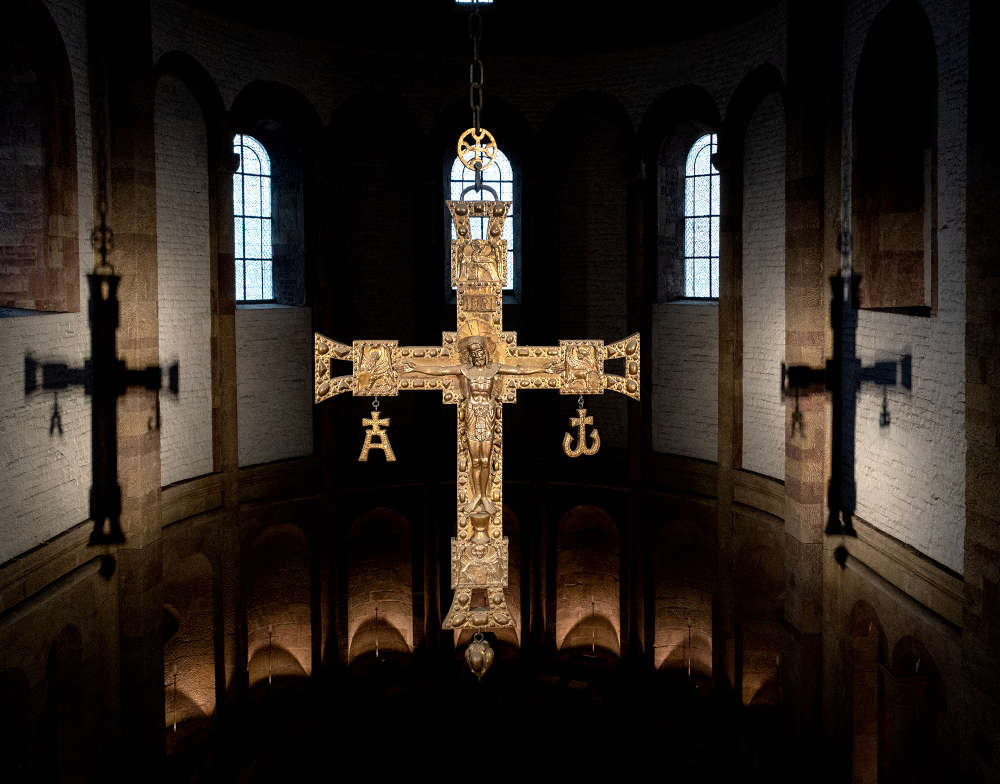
(629, 350)
(325, 385)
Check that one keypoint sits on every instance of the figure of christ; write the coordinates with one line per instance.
(481, 384)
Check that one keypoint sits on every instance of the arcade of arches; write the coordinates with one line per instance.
(753, 578)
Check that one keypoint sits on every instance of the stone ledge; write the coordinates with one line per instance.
(49, 562)
(190, 497)
(759, 492)
(916, 575)
(280, 479)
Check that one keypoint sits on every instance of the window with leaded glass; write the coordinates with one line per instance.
(499, 177)
(252, 221)
(701, 220)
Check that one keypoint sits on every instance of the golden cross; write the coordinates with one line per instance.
(479, 367)
(375, 430)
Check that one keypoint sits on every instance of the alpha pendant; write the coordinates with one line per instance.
(376, 430)
(580, 422)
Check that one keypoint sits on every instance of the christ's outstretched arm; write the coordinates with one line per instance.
(429, 370)
(513, 370)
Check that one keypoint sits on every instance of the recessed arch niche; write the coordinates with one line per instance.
(379, 585)
(588, 569)
(684, 577)
(278, 607)
(189, 622)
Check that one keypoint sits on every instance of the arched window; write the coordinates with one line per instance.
(499, 177)
(252, 221)
(701, 220)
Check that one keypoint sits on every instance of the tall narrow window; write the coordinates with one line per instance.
(499, 177)
(701, 221)
(252, 221)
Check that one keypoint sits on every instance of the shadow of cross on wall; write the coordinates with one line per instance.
(843, 376)
(104, 378)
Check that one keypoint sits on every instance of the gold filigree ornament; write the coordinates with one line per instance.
(376, 428)
(477, 146)
(479, 655)
(580, 422)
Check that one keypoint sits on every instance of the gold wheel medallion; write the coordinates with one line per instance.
(476, 147)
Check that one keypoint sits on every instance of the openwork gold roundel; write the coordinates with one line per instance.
(473, 147)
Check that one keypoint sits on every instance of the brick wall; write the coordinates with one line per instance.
(911, 475)
(183, 284)
(274, 383)
(685, 382)
(46, 479)
(764, 290)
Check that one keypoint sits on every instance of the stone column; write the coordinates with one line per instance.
(729, 161)
(121, 53)
(638, 434)
(981, 632)
(812, 203)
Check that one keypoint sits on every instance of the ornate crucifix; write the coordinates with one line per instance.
(479, 368)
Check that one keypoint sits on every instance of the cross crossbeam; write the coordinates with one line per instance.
(479, 368)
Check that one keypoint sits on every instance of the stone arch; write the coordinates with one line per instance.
(759, 588)
(184, 228)
(186, 69)
(588, 569)
(189, 602)
(757, 85)
(915, 707)
(278, 598)
(894, 182)
(38, 126)
(272, 665)
(684, 582)
(514, 138)
(670, 126)
(290, 129)
(65, 725)
(867, 652)
(752, 154)
(379, 578)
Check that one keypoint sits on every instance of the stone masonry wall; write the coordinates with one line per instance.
(183, 284)
(764, 290)
(911, 475)
(46, 478)
(686, 379)
(274, 383)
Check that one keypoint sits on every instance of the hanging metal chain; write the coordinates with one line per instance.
(102, 238)
(477, 76)
(477, 149)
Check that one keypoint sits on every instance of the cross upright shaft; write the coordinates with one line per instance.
(479, 367)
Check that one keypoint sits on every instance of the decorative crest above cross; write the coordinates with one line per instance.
(479, 368)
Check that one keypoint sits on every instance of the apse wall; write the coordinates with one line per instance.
(764, 289)
(274, 385)
(45, 483)
(183, 281)
(911, 475)
(686, 379)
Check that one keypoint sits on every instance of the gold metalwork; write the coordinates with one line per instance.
(375, 430)
(477, 146)
(580, 422)
(479, 655)
(479, 368)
